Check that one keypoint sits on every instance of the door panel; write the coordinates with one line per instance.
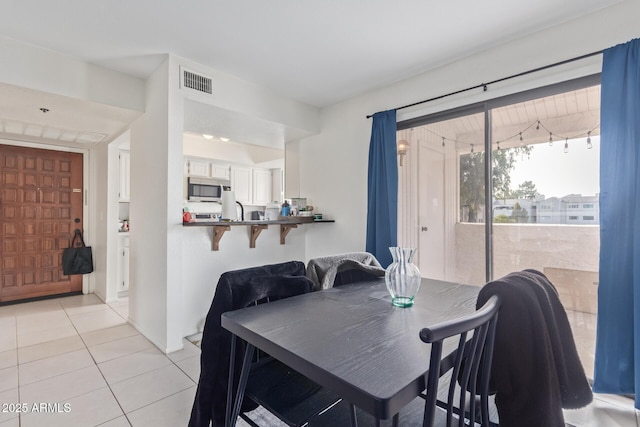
(40, 200)
(431, 217)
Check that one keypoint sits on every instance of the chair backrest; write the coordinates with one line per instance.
(236, 289)
(471, 369)
(352, 276)
(324, 270)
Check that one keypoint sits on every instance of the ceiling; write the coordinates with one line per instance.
(319, 53)
(565, 116)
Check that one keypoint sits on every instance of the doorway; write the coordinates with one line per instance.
(41, 199)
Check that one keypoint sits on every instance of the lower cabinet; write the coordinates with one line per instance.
(123, 263)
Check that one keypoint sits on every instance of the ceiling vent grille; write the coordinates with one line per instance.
(197, 82)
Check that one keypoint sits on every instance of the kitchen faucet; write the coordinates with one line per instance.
(241, 211)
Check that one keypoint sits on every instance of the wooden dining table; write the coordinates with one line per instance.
(352, 340)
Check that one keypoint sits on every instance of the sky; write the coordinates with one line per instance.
(556, 173)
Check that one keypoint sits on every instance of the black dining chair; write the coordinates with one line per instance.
(280, 390)
(537, 371)
(465, 399)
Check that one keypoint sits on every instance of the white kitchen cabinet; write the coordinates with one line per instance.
(199, 168)
(125, 176)
(261, 187)
(123, 263)
(220, 171)
(277, 180)
(252, 186)
(242, 184)
(207, 169)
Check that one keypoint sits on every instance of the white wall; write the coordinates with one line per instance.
(232, 152)
(98, 166)
(202, 266)
(344, 140)
(170, 288)
(240, 96)
(49, 71)
(155, 209)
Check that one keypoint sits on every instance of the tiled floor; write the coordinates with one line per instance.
(76, 362)
(80, 363)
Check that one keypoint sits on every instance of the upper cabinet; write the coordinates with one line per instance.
(207, 169)
(125, 176)
(199, 168)
(242, 184)
(252, 186)
(261, 186)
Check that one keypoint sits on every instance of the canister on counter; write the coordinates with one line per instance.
(285, 209)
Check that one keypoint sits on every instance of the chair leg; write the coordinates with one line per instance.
(232, 363)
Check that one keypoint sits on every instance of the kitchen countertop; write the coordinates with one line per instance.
(257, 226)
(254, 222)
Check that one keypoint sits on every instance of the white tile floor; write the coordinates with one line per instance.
(82, 358)
(81, 354)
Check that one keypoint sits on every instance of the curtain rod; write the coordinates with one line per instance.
(484, 85)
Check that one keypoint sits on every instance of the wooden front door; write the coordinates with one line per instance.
(40, 207)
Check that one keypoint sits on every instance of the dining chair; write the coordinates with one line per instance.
(273, 385)
(465, 399)
(343, 268)
(537, 371)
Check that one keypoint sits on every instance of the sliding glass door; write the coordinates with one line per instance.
(546, 199)
(442, 192)
(539, 209)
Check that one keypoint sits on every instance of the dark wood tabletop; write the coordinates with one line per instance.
(352, 340)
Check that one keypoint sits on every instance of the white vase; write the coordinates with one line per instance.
(402, 277)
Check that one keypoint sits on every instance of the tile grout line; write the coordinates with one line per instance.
(20, 420)
(109, 385)
(98, 368)
(92, 358)
(90, 355)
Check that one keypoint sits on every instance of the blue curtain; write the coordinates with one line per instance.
(382, 190)
(617, 361)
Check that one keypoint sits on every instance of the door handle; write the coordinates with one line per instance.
(423, 228)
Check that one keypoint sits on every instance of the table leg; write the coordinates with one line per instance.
(395, 420)
(352, 414)
(242, 384)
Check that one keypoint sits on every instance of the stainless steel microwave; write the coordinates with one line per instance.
(206, 189)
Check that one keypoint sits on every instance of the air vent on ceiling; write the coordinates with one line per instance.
(197, 82)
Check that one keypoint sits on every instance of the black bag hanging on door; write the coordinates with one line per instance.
(78, 258)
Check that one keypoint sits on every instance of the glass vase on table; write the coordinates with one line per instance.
(402, 277)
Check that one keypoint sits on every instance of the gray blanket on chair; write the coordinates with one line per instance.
(322, 271)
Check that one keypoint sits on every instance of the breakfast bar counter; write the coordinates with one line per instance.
(220, 227)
